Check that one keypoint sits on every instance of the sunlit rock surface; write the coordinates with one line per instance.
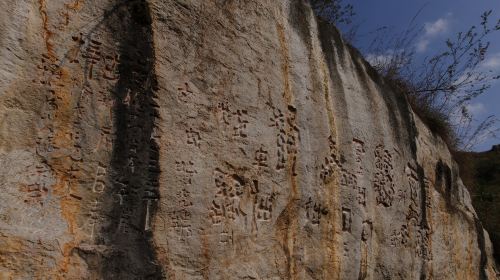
(215, 140)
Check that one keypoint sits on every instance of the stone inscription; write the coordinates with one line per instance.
(383, 183)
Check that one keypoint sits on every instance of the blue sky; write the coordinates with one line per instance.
(440, 19)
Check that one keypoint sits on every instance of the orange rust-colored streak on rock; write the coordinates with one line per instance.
(332, 262)
(471, 267)
(47, 34)
(163, 257)
(75, 6)
(69, 206)
(331, 239)
(60, 162)
(431, 227)
(10, 247)
(206, 254)
(287, 223)
(289, 99)
(285, 66)
(64, 264)
(17, 254)
(328, 101)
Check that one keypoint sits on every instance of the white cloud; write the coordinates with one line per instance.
(432, 30)
(422, 45)
(493, 62)
(435, 28)
(477, 108)
(473, 109)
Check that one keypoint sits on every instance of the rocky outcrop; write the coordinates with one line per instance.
(215, 140)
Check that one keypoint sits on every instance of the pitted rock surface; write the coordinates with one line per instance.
(186, 139)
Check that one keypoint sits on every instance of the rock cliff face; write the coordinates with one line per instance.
(219, 139)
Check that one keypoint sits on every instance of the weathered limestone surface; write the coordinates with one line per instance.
(186, 139)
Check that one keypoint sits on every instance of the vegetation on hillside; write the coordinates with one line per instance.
(480, 172)
(441, 87)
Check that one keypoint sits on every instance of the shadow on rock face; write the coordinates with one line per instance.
(134, 171)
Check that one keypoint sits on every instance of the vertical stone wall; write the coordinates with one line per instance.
(215, 140)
